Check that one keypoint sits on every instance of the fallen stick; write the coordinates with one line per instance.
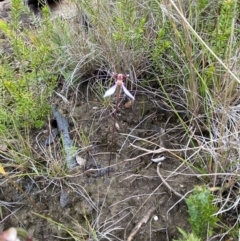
(143, 221)
(63, 127)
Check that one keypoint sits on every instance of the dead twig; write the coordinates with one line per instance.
(166, 184)
(143, 221)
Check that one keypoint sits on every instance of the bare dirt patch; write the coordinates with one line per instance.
(96, 205)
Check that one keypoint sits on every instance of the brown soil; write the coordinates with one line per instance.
(110, 206)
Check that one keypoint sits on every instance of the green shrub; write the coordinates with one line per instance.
(201, 210)
(187, 236)
(27, 76)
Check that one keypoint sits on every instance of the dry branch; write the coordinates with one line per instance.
(166, 184)
(143, 221)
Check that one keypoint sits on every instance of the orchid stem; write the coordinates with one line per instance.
(114, 128)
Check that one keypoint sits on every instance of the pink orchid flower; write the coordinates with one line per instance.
(119, 85)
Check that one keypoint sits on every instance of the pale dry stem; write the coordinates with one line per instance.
(170, 189)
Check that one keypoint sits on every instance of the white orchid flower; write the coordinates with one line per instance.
(119, 84)
(9, 235)
(13, 234)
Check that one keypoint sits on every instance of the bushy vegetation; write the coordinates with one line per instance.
(27, 73)
(185, 54)
(188, 237)
(202, 212)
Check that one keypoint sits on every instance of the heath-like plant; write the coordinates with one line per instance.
(26, 77)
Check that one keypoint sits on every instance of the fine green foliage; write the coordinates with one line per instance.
(119, 36)
(201, 211)
(26, 76)
(187, 236)
(161, 44)
(222, 32)
(185, 59)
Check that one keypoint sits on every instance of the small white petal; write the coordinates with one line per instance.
(110, 91)
(127, 92)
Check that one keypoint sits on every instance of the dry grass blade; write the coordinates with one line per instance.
(5, 174)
